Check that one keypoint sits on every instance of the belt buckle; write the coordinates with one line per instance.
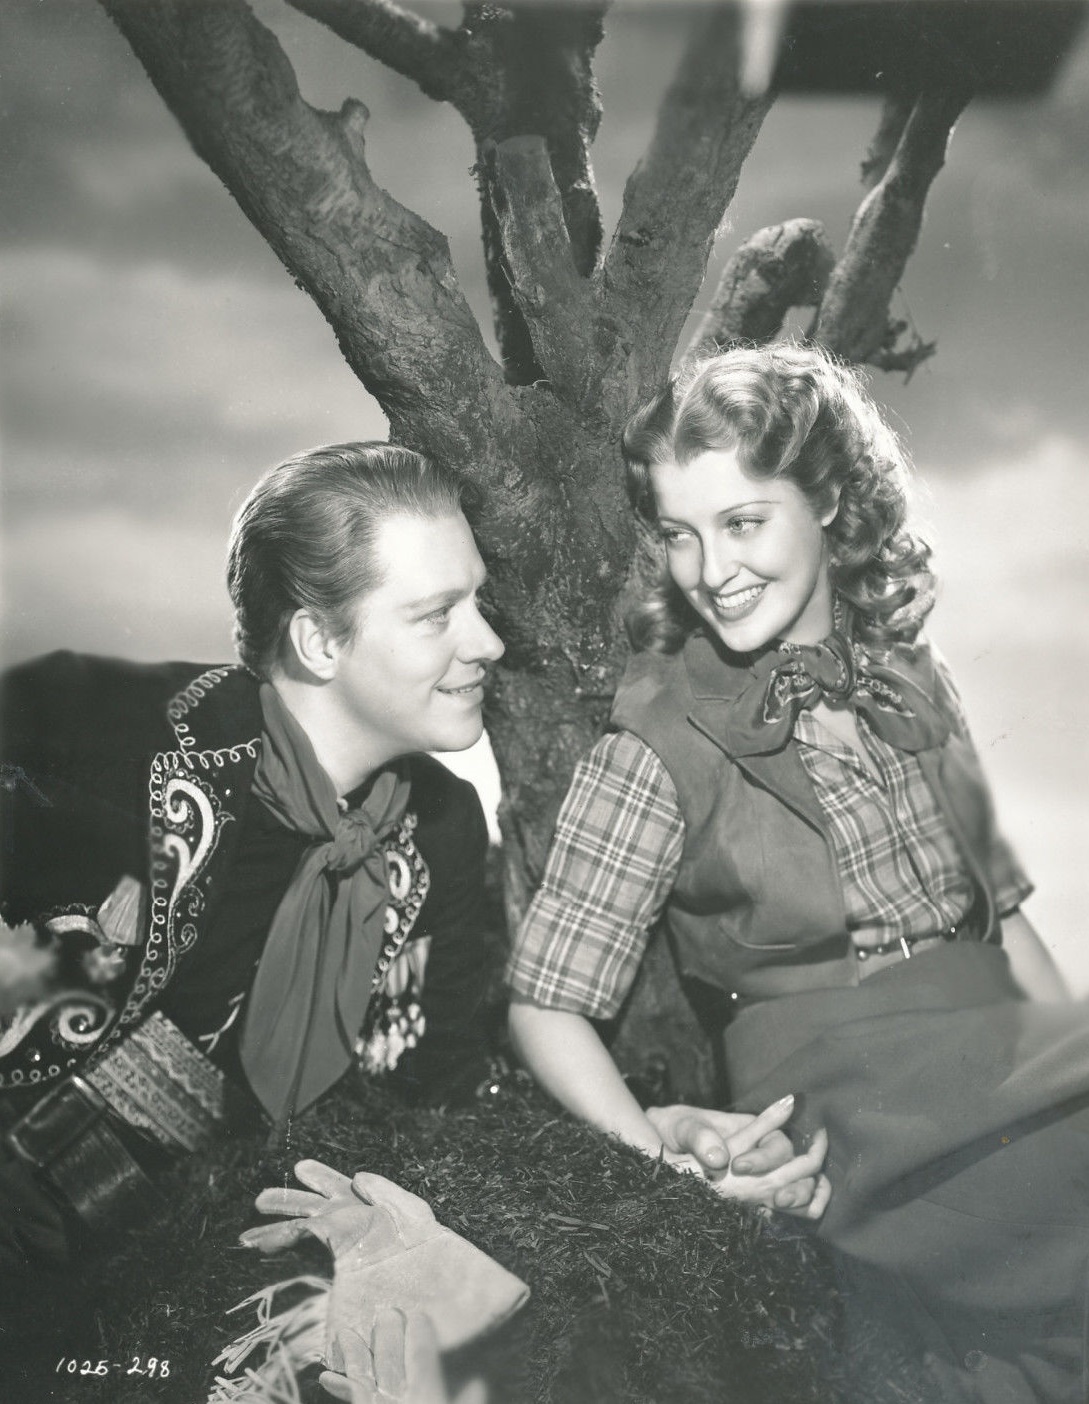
(61, 1117)
(68, 1139)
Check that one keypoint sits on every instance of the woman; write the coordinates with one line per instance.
(790, 783)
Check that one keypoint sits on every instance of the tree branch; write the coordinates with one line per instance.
(379, 273)
(515, 340)
(678, 194)
(533, 74)
(783, 266)
(853, 320)
(551, 90)
(545, 283)
(895, 111)
(535, 62)
(436, 59)
(509, 71)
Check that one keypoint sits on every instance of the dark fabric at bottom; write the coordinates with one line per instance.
(958, 1122)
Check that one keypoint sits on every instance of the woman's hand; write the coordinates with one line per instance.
(744, 1156)
(747, 1157)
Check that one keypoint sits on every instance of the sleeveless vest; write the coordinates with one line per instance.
(757, 909)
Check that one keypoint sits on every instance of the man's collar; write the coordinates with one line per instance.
(219, 709)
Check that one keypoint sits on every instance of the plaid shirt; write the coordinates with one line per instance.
(896, 856)
(617, 851)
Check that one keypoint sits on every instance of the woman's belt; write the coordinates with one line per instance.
(955, 975)
(872, 958)
(797, 971)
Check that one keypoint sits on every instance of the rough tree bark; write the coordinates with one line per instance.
(583, 334)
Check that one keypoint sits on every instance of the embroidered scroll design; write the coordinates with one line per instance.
(186, 822)
(64, 1024)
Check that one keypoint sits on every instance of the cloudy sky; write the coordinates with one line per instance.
(157, 359)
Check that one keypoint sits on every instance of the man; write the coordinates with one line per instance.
(251, 870)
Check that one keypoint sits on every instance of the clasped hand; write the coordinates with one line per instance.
(747, 1157)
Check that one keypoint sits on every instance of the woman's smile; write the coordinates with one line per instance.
(737, 604)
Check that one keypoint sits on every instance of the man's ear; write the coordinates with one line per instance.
(312, 645)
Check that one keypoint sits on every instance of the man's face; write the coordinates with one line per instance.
(412, 678)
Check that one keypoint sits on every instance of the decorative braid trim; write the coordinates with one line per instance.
(401, 913)
(183, 702)
(210, 760)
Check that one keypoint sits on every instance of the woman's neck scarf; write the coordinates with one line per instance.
(885, 689)
(314, 979)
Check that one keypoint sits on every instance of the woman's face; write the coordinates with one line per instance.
(748, 553)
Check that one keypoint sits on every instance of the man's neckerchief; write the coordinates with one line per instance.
(313, 982)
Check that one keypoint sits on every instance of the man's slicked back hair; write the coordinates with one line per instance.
(305, 538)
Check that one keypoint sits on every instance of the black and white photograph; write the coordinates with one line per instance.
(544, 785)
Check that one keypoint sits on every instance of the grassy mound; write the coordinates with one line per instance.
(646, 1287)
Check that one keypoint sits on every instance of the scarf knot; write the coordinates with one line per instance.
(808, 674)
(840, 671)
(354, 844)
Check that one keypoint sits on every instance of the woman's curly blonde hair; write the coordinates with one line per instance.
(790, 411)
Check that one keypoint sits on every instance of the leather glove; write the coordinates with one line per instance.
(388, 1252)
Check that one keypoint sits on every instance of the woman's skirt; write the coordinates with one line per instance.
(958, 1122)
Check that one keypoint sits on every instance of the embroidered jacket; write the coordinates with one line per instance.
(115, 770)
